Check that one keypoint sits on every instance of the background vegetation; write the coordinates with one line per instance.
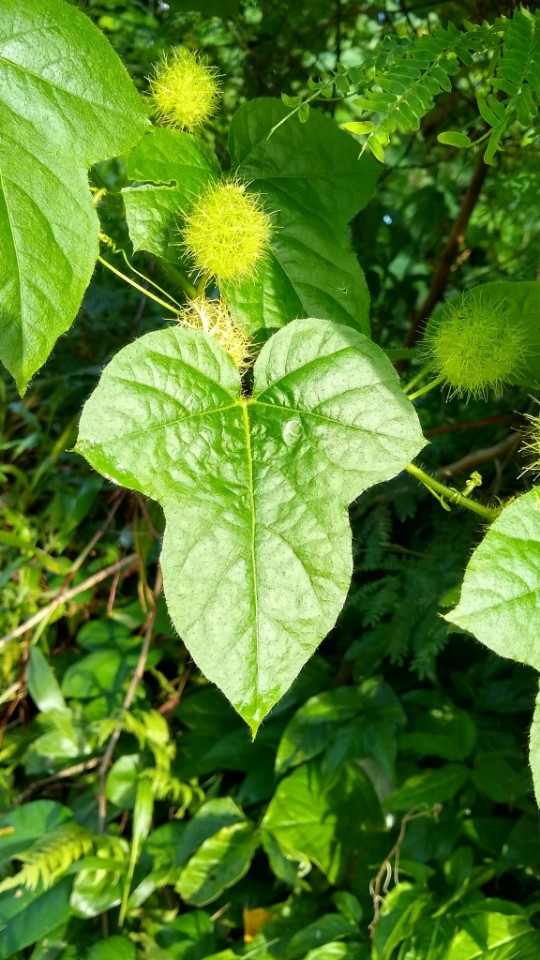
(385, 809)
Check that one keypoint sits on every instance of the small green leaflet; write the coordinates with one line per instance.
(256, 556)
(66, 102)
(500, 596)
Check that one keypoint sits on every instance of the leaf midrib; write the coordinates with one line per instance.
(251, 493)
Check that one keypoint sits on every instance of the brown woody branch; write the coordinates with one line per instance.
(498, 451)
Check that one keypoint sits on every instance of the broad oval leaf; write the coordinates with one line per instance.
(256, 556)
(313, 182)
(96, 890)
(66, 102)
(323, 821)
(113, 948)
(221, 860)
(172, 168)
(500, 596)
(429, 787)
(32, 914)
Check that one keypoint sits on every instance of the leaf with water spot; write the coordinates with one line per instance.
(257, 553)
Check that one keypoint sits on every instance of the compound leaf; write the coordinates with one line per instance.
(66, 102)
(256, 555)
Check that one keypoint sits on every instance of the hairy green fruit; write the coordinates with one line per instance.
(227, 232)
(184, 89)
(473, 346)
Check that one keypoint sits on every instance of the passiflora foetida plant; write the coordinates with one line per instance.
(260, 407)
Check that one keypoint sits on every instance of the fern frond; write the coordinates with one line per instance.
(149, 728)
(167, 787)
(520, 61)
(151, 731)
(51, 856)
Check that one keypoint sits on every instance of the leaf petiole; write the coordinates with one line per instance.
(426, 388)
(422, 373)
(137, 286)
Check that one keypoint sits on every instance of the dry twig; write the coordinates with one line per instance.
(128, 699)
(64, 596)
(389, 869)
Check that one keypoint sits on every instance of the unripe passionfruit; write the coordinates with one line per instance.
(473, 346)
(227, 231)
(184, 89)
(213, 317)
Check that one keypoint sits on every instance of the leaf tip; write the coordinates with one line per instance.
(22, 384)
(254, 728)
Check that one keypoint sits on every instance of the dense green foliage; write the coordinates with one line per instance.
(385, 809)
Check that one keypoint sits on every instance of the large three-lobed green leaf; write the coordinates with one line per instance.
(257, 550)
(66, 102)
(500, 596)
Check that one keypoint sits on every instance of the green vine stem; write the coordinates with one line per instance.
(417, 379)
(189, 289)
(137, 286)
(178, 275)
(453, 496)
(426, 388)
